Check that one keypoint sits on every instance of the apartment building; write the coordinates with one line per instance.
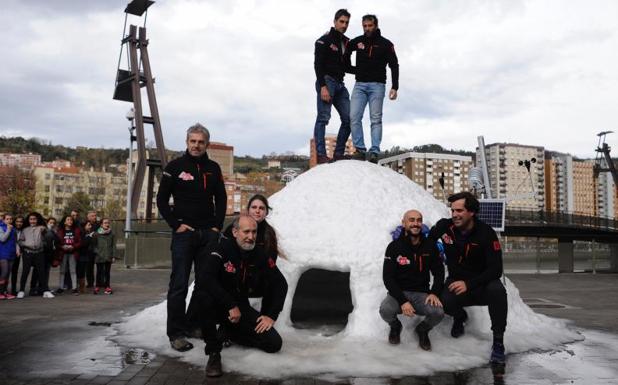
(426, 170)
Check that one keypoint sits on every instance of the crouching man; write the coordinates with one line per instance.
(222, 288)
(407, 264)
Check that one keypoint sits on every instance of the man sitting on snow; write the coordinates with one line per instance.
(407, 263)
(222, 287)
(474, 260)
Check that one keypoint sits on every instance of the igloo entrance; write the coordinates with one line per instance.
(322, 300)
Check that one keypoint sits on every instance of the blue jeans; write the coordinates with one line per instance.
(187, 248)
(363, 93)
(340, 98)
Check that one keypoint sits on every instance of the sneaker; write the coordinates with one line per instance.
(21, 295)
(180, 344)
(323, 159)
(497, 353)
(9, 296)
(458, 326)
(423, 336)
(108, 290)
(59, 291)
(48, 294)
(337, 157)
(213, 366)
(394, 335)
(96, 290)
(359, 155)
(373, 157)
(75, 291)
(2, 296)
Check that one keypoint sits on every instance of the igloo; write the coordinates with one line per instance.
(339, 217)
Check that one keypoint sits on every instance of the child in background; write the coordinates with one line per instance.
(86, 255)
(18, 223)
(8, 252)
(31, 242)
(69, 242)
(104, 256)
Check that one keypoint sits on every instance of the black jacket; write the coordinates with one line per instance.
(330, 56)
(231, 275)
(199, 193)
(407, 267)
(475, 258)
(372, 56)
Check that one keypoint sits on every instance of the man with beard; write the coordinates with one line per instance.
(222, 292)
(407, 263)
(373, 53)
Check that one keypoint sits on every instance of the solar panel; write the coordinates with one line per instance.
(492, 212)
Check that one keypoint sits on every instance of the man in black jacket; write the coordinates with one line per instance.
(474, 260)
(407, 264)
(330, 64)
(373, 54)
(230, 273)
(196, 184)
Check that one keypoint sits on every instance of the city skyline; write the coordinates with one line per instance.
(513, 71)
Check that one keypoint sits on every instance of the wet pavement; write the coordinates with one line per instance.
(66, 340)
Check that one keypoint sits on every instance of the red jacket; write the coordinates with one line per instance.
(65, 240)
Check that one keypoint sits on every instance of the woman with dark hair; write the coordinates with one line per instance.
(69, 242)
(32, 243)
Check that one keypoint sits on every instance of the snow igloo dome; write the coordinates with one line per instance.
(339, 217)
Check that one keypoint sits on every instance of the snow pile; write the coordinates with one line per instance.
(339, 217)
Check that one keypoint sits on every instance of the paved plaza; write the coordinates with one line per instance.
(66, 340)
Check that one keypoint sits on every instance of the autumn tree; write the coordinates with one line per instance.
(17, 188)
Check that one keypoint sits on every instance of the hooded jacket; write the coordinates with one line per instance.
(8, 242)
(372, 55)
(330, 58)
(198, 189)
(407, 266)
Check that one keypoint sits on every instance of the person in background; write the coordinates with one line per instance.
(18, 223)
(32, 243)
(69, 241)
(104, 256)
(86, 254)
(8, 253)
(91, 217)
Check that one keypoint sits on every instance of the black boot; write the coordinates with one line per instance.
(422, 330)
(393, 335)
(213, 366)
(458, 326)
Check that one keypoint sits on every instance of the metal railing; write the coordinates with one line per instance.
(559, 219)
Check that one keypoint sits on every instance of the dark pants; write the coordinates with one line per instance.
(186, 248)
(103, 274)
(90, 273)
(492, 295)
(14, 273)
(242, 333)
(36, 261)
(80, 270)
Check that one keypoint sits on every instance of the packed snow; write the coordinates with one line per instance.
(339, 217)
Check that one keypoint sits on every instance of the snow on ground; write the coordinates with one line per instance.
(339, 217)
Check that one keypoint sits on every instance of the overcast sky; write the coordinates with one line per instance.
(531, 72)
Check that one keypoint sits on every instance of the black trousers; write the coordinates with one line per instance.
(90, 272)
(14, 273)
(36, 261)
(492, 295)
(242, 333)
(103, 274)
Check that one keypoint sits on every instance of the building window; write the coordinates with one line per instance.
(47, 188)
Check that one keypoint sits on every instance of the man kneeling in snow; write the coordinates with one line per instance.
(407, 264)
(474, 260)
(230, 271)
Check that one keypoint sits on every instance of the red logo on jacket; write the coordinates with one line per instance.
(403, 260)
(334, 47)
(229, 267)
(271, 263)
(496, 245)
(185, 176)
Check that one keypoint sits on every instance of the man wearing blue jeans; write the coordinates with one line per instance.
(196, 184)
(373, 53)
(331, 63)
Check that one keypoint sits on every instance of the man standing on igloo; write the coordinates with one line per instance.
(474, 260)
(407, 262)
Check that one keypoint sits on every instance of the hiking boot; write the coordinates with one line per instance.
(213, 366)
(180, 344)
(394, 334)
(423, 336)
(373, 157)
(497, 353)
(323, 159)
(21, 295)
(359, 155)
(48, 294)
(458, 326)
(82, 286)
(337, 157)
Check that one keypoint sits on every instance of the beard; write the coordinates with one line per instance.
(246, 246)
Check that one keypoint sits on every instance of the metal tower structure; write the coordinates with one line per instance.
(128, 88)
(603, 150)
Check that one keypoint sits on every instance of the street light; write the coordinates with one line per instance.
(527, 163)
(130, 117)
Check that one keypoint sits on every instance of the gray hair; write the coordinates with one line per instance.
(198, 128)
(236, 222)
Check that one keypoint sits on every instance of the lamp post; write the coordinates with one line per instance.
(127, 226)
(527, 163)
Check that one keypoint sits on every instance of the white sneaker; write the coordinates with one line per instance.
(48, 294)
(21, 294)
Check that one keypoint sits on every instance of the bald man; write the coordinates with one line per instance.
(407, 263)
